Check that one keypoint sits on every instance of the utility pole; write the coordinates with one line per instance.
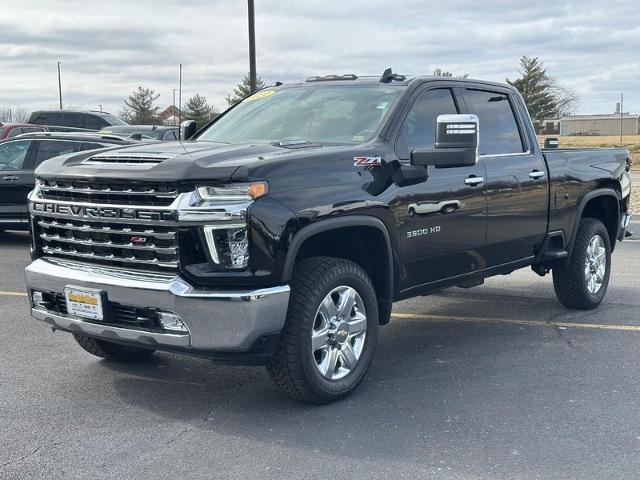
(253, 78)
(174, 105)
(59, 86)
(621, 113)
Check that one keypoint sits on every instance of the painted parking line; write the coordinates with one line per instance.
(508, 321)
(12, 294)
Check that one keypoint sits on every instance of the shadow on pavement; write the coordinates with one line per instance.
(426, 388)
(14, 239)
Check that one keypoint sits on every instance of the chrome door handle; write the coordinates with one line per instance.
(473, 180)
(10, 178)
(536, 174)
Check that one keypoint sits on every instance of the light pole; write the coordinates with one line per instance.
(59, 86)
(174, 105)
(180, 102)
(253, 78)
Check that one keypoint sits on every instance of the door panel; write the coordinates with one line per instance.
(441, 221)
(517, 184)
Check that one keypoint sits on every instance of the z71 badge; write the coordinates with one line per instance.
(367, 161)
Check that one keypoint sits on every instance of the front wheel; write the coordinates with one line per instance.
(330, 333)
(582, 283)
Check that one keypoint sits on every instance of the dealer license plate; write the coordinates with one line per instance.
(82, 302)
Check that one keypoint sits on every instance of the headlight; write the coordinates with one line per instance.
(239, 192)
(228, 242)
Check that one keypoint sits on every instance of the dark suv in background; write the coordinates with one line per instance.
(74, 120)
(19, 156)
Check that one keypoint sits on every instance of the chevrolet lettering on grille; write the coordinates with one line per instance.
(80, 211)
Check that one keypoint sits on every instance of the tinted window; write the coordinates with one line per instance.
(91, 146)
(93, 122)
(13, 154)
(15, 131)
(52, 148)
(72, 120)
(170, 136)
(419, 128)
(47, 119)
(31, 129)
(499, 131)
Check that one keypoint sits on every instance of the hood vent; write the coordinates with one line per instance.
(133, 159)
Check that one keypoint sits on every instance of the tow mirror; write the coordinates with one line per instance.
(187, 129)
(456, 143)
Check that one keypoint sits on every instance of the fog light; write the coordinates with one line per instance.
(170, 321)
(228, 245)
(38, 301)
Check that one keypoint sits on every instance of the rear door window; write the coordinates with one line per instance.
(73, 120)
(499, 132)
(14, 132)
(52, 148)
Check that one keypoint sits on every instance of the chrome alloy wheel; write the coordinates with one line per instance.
(595, 265)
(338, 333)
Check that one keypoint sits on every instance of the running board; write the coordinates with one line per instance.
(553, 255)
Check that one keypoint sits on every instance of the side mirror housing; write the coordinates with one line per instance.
(187, 129)
(456, 143)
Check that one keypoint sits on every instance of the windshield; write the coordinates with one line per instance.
(318, 114)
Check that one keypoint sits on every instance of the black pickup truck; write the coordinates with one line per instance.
(282, 232)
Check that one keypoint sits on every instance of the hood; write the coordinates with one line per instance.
(166, 162)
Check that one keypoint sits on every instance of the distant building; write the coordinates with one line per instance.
(170, 115)
(608, 124)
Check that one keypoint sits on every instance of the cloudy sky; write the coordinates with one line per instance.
(109, 48)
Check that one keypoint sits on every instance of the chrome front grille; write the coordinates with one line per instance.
(108, 193)
(139, 246)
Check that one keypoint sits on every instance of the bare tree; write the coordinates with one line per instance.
(15, 115)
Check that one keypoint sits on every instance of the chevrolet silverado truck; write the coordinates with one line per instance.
(281, 233)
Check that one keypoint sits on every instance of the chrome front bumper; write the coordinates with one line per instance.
(217, 320)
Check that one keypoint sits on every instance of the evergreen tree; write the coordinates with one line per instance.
(438, 72)
(140, 108)
(243, 89)
(543, 97)
(198, 110)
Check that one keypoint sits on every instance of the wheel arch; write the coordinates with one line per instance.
(356, 238)
(603, 204)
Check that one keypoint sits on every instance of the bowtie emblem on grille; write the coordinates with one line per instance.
(138, 240)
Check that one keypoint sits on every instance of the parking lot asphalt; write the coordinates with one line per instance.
(495, 382)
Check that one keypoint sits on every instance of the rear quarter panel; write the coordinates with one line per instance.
(573, 174)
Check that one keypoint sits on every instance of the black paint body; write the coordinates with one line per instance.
(461, 233)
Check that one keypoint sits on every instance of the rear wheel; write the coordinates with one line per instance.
(582, 283)
(330, 333)
(110, 350)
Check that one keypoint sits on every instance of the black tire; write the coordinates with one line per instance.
(412, 212)
(110, 350)
(570, 280)
(293, 367)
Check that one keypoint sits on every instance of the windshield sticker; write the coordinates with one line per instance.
(367, 161)
(260, 95)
